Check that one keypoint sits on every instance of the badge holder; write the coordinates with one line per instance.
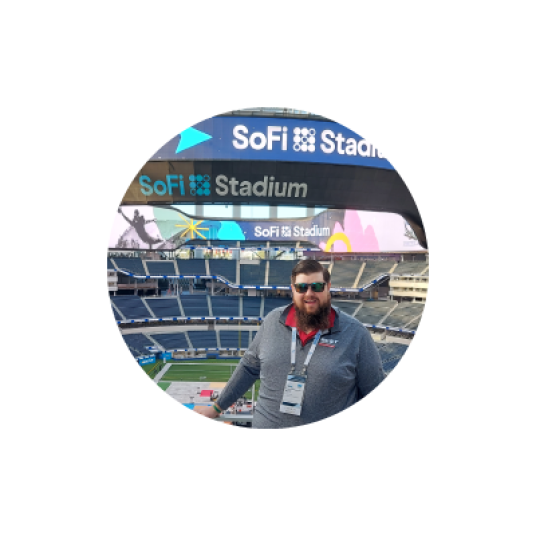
(292, 401)
(293, 394)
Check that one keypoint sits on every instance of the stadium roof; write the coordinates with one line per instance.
(275, 112)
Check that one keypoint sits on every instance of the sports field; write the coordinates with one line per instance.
(211, 370)
(152, 369)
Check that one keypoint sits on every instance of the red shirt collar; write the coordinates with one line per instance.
(306, 337)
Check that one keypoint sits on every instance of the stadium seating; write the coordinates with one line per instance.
(195, 304)
(203, 339)
(373, 311)
(280, 272)
(164, 307)
(161, 267)
(227, 269)
(117, 316)
(251, 306)
(130, 264)
(349, 307)
(390, 365)
(403, 313)
(372, 270)
(234, 339)
(390, 354)
(137, 343)
(192, 267)
(171, 340)
(131, 306)
(410, 267)
(414, 324)
(225, 305)
(344, 273)
(272, 303)
(253, 274)
(393, 350)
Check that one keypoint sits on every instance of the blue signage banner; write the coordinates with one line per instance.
(281, 139)
(146, 361)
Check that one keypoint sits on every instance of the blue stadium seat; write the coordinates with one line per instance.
(348, 306)
(164, 307)
(344, 273)
(131, 306)
(161, 267)
(203, 339)
(117, 316)
(252, 274)
(137, 343)
(373, 311)
(225, 268)
(234, 339)
(225, 305)
(195, 305)
(272, 303)
(403, 314)
(280, 272)
(130, 264)
(251, 306)
(192, 267)
(171, 340)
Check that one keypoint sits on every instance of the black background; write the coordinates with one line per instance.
(328, 185)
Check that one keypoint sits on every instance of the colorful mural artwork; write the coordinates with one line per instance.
(230, 230)
(350, 236)
(332, 230)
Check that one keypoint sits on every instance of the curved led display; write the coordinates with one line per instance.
(145, 227)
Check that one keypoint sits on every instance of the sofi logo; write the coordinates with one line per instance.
(286, 231)
(303, 140)
(196, 184)
(259, 140)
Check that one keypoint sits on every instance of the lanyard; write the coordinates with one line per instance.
(309, 355)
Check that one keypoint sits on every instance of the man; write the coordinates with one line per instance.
(139, 222)
(336, 363)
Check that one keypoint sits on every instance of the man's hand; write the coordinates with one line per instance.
(207, 411)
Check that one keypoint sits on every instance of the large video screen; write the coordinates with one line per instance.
(275, 138)
(136, 228)
(162, 228)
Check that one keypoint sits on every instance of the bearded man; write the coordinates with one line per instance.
(313, 360)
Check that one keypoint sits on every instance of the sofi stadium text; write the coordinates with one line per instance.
(285, 231)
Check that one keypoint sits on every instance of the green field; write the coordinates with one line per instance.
(212, 370)
(164, 385)
(152, 369)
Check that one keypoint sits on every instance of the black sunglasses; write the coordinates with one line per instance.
(301, 288)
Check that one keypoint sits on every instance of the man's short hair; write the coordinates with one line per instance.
(309, 266)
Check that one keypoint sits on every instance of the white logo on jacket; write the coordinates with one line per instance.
(329, 341)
